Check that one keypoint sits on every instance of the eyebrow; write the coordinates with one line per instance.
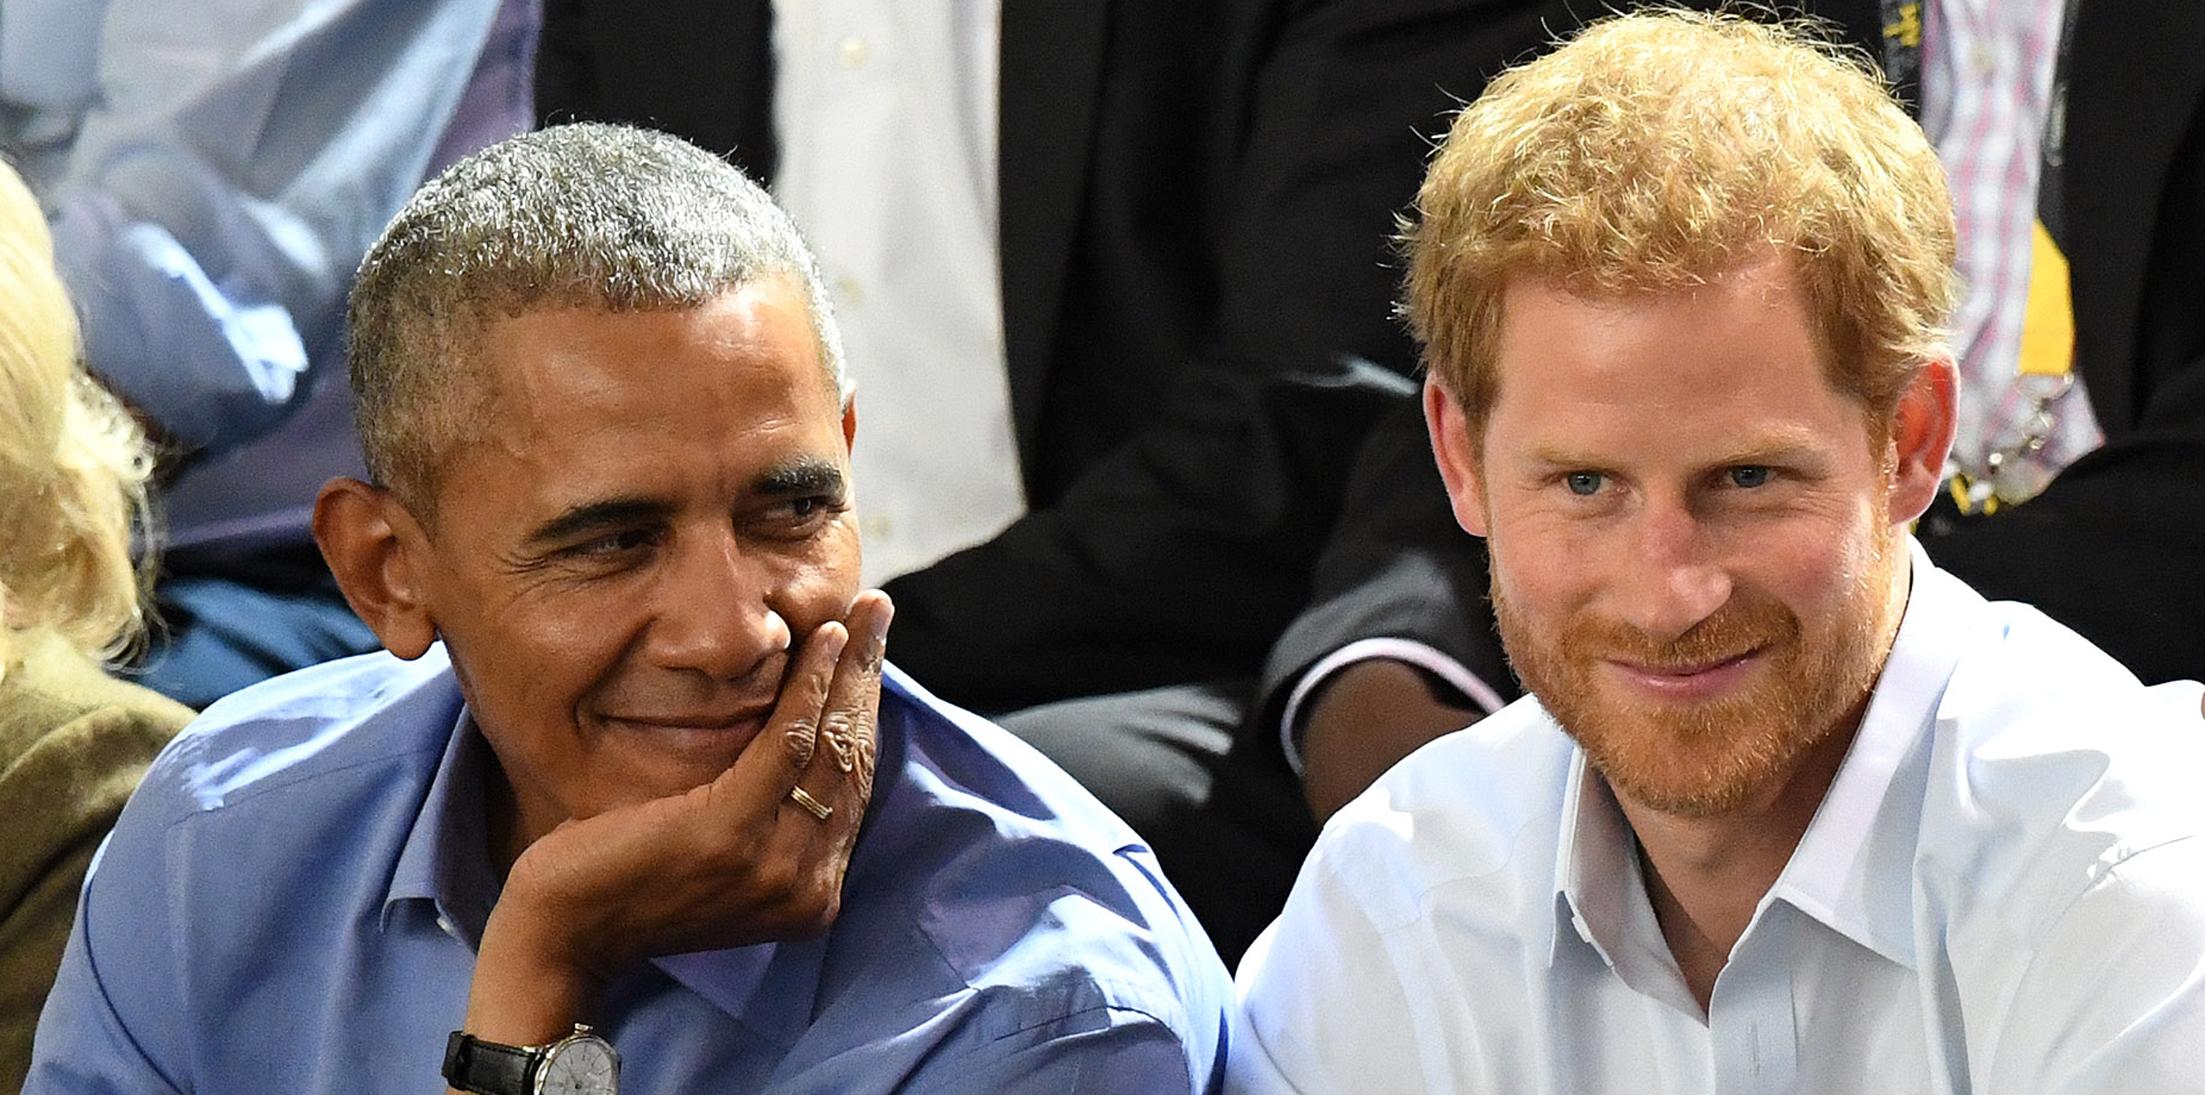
(1782, 449)
(591, 517)
(804, 475)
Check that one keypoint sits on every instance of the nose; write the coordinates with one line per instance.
(713, 614)
(1677, 580)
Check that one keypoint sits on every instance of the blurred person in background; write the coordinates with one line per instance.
(73, 741)
(212, 174)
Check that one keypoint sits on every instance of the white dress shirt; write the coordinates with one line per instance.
(886, 117)
(2001, 893)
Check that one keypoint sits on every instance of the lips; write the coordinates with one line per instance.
(1690, 681)
(693, 721)
(744, 719)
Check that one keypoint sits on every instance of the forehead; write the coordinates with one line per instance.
(577, 399)
(751, 340)
(1717, 364)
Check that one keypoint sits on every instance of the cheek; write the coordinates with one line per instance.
(818, 585)
(567, 643)
(1822, 567)
(1543, 566)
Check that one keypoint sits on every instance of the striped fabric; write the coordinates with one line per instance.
(1987, 72)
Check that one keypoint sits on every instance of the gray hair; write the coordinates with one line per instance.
(603, 217)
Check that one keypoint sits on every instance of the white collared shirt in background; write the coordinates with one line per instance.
(886, 117)
(2003, 892)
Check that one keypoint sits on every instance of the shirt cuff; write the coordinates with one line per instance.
(1420, 655)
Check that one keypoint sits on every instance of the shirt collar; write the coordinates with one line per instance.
(1600, 893)
(445, 860)
(1853, 869)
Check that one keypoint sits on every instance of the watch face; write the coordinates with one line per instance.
(580, 1066)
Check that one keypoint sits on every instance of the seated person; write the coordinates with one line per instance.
(617, 767)
(1788, 807)
(73, 741)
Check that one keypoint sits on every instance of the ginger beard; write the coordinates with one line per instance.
(1704, 759)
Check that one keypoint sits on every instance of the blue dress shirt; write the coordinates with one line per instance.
(291, 902)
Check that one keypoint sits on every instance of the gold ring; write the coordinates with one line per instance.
(811, 805)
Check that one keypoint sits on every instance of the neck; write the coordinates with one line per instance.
(1705, 875)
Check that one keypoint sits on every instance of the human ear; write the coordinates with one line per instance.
(1922, 429)
(849, 424)
(376, 550)
(1456, 452)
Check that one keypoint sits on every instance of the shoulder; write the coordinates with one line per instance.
(1422, 894)
(323, 750)
(286, 736)
(1463, 808)
(74, 744)
(2051, 767)
(70, 731)
(999, 882)
(53, 687)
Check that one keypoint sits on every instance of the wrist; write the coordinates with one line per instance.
(531, 984)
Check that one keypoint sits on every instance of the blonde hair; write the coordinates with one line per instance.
(73, 465)
(1660, 150)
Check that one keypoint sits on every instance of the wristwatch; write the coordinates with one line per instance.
(579, 1064)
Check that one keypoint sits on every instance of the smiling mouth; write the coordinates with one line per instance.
(748, 719)
(1693, 680)
(1692, 669)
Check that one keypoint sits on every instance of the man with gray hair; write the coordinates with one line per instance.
(608, 803)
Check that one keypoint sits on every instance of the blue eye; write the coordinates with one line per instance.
(1750, 475)
(1583, 483)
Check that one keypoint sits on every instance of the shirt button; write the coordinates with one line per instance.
(877, 527)
(854, 52)
(1982, 60)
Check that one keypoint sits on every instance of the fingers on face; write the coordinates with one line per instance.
(797, 714)
(761, 777)
(841, 772)
(853, 700)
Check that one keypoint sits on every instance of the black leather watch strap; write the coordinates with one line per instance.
(471, 1064)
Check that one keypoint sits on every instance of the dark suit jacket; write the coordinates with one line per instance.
(2115, 548)
(1197, 201)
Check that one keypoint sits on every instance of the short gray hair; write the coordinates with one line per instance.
(603, 217)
